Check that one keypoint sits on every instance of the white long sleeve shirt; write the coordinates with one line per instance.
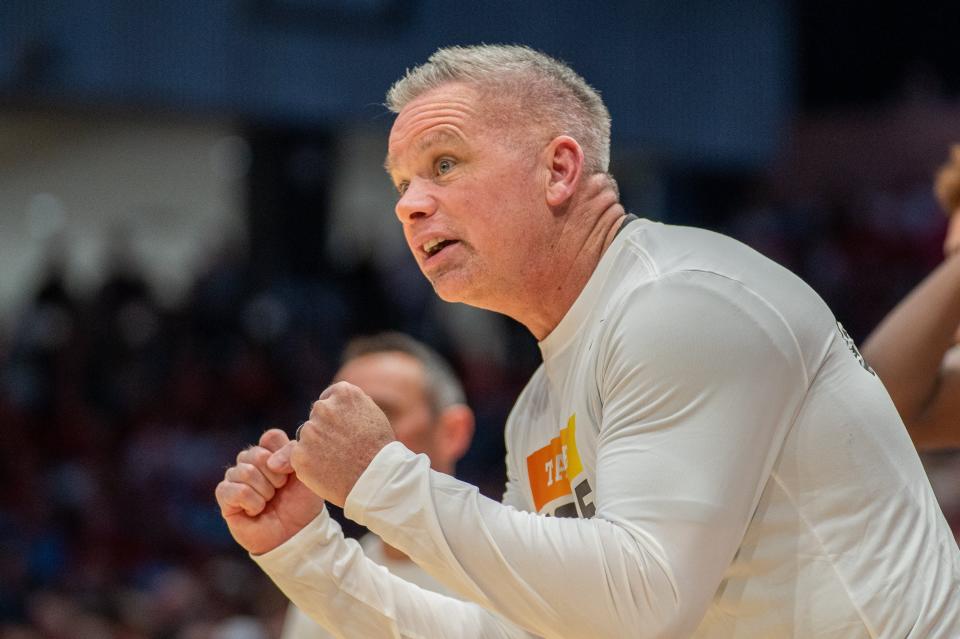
(297, 625)
(719, 460)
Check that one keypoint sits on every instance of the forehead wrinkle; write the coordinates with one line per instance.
(416, 123)
(430, 103)
(444, 104)
(448, 129)
(436, 137)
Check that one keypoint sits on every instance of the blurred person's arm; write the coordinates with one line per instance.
(951, 243)
(914, 349)
(947, 189)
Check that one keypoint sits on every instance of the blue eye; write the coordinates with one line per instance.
(444, 165)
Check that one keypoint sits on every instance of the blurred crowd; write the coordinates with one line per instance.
(119, 416)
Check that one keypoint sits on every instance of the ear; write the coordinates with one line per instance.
(564, 159)
(455, 432)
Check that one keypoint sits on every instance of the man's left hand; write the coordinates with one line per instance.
(345, 432)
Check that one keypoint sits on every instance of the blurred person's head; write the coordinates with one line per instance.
(417, 390)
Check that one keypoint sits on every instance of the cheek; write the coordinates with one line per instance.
(408, 238)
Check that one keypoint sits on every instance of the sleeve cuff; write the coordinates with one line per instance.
(383, 469)
(292, 550)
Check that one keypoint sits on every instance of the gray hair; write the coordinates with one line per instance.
(441, 385)
(548, 91)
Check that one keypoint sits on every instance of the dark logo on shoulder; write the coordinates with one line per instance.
(853, 349)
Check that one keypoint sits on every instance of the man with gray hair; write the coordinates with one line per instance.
(703, 451)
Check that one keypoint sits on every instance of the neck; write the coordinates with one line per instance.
(587, 229)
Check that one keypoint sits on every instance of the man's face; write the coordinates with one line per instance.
(470, 197)
(395, 381)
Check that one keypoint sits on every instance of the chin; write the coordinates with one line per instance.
(448, 293)
(450, 288)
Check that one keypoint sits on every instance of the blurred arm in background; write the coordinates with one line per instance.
(915, 348)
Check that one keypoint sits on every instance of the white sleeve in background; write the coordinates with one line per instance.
(329, 578)
(697, 386)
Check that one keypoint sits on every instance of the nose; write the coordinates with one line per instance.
(416, 202)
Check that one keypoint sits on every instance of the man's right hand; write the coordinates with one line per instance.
(264, 507)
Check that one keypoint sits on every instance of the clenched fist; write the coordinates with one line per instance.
(262, 505)
(345, 432)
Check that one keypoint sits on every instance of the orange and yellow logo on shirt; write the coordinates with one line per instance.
(551, 467)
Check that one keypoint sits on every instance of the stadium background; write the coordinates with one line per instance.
(193, 219)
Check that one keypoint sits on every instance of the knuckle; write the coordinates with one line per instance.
(268, 491)
(345, 388)
(250, 474)
(239, 474)
(271, 434)
(249, 495)
(229, 494)
(243, 474)
(260, 456)
(245, 454)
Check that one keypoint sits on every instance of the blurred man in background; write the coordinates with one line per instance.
(424, 401)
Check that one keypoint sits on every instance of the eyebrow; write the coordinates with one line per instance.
(434, 138)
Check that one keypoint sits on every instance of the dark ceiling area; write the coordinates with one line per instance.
(856, 53)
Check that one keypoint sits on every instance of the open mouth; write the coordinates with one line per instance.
(433, 247)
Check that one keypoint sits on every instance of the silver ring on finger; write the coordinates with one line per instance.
(296, 435)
